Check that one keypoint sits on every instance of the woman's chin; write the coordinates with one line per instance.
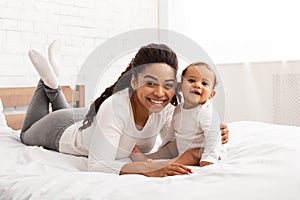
(156, 108)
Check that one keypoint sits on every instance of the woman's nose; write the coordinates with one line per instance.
(159, 91)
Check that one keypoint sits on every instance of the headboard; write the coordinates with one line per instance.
(15, 101)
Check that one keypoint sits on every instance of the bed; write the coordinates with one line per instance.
(263, 162)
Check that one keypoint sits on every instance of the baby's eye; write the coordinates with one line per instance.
(205, 84)
(191, 80)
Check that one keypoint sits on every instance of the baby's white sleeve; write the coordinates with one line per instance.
(210, 124)
(167, 133)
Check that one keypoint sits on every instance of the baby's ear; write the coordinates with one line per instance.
(212, 94)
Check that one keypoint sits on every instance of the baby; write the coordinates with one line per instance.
(195, 122)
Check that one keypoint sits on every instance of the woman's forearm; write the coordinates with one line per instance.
(167, 151)
(134, 168)
(157, 169)
(191, 157)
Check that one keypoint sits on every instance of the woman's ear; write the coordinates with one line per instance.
(133, 82)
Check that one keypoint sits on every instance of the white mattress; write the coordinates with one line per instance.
(263, 163)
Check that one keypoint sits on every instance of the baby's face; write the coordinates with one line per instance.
(197, 85)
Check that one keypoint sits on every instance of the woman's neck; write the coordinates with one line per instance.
(140, 113)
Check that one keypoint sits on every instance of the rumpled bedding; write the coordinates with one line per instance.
(263, 162)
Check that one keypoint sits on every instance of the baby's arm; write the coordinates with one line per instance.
(212, 138)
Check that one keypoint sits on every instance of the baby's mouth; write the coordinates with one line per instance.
(196, 92)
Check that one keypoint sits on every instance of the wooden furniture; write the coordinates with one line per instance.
(17, 98)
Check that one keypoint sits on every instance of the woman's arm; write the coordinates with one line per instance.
(190, 157)
(157, 169)
(169, 150)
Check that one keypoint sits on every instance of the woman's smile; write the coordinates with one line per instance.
(155, 87)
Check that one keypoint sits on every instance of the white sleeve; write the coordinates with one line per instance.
(210, 124)
(105, 140)
(167, 132)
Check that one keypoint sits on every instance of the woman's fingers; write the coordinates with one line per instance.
(167, 169)
(177, 169)
(224, 140)
(224, 133)
(223, 126)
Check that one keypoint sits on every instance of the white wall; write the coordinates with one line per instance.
(251, 42)
(262, 91)
(80, 25)
(240, 31)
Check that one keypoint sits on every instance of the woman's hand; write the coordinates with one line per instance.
(224, 133)
(155, 169)
(163, 169)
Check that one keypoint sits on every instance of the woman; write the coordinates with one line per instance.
(133, 112)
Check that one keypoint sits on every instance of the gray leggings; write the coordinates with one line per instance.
(43, 128)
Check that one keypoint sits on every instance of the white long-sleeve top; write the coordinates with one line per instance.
(113, 134)
(198, 127)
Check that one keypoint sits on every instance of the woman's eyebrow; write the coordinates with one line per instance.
(154, 78)
(149, 76)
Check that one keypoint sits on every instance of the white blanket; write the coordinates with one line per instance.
(263, 163)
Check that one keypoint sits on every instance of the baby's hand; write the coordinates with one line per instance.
(136, 150)
(150, 161)
(137, 155)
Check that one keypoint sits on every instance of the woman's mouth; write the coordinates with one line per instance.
(155, 101)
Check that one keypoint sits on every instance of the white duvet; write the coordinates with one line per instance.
(263, 162)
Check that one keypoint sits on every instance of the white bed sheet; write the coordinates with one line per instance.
(263, 163)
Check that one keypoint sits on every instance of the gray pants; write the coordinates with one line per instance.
(44, 128)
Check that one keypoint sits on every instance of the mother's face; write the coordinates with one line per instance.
(155, 86)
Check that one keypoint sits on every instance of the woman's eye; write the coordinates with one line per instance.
(169, 85)
(150, 83)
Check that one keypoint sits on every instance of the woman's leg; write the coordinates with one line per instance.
(39, 104)
(43, 128)
(48, 130)
(35, 130)
(35, 127)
